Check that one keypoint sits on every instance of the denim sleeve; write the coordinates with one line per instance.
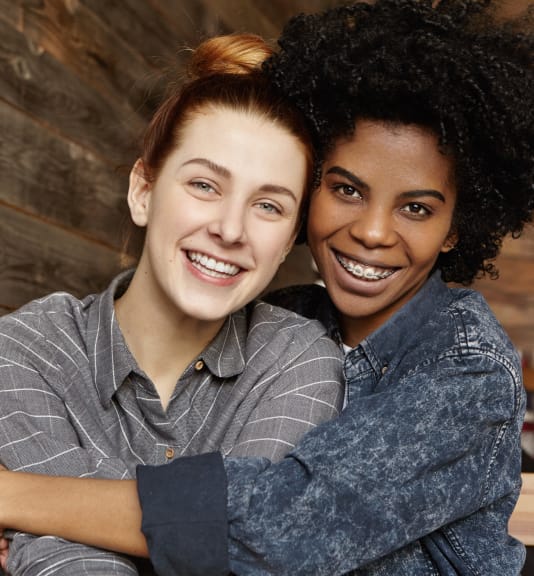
(395, 466)
(184, 515)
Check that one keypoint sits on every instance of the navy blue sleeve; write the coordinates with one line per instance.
(187, 525)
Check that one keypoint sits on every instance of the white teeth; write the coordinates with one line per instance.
(212, 267)
(362, 271)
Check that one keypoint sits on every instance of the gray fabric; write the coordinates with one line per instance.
(74, 402)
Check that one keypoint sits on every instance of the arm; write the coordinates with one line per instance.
(76, 509)
(38, 433)
(395, 466)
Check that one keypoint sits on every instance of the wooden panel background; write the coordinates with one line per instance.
(78, 81)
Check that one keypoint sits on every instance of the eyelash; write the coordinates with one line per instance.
(353, 194)
(341, 189)
(419, 207)
(202, 186)
(269, 207)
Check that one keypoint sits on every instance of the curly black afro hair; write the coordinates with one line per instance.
(454, 68)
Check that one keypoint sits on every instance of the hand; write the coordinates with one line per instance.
(4, 550)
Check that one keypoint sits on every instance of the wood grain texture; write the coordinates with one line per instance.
(34, 81)
(59, 181)
(36, 259)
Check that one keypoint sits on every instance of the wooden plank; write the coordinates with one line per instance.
(515, 282)
(56, 180)
(522, 247)
(186, 19)
(239, 16)
(139, 25)
(93, 51)
(36, 259)
(11, 12)
(34, 81)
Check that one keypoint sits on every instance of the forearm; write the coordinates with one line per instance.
(97, 512)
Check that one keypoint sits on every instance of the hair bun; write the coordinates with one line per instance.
(229, 54)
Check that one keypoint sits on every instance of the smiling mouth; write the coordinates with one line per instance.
(363, 272)
(211, 267)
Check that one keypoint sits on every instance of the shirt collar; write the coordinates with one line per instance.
(225, 355)
(112, 362)
(383, 345)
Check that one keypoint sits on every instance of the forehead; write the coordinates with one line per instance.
(251, 148)
(225, 133)
(395, 150)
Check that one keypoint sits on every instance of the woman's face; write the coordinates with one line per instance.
(221, 215)
(378, 222)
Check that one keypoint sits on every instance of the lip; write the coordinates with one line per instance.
(368, 283)
(213, 269)
(363, 269)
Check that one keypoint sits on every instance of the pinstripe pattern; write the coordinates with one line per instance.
(74, 402)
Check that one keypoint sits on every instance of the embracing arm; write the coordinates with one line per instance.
(96, 512)
(395, 466)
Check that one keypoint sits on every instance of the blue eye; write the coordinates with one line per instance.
(202, 186)
(269, 208)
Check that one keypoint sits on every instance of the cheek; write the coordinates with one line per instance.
(323, 219)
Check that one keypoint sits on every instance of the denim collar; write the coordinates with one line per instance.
(385, 344)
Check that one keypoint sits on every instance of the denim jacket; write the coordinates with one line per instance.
(417, 476)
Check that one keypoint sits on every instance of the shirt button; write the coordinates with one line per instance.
(384, 369)
(169, 453)
(199, 365)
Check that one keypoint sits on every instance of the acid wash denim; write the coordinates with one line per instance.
(417, 476)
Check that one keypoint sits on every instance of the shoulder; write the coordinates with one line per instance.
(475, 325)
(463, 337)
(286, 332)
(43, 326)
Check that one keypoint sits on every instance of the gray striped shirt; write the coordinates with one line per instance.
(74, 402)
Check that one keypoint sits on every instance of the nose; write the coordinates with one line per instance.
(228, 224)
(374, 227)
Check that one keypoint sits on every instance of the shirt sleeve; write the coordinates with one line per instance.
(307, 390)
(395, 466)
(31, 556)
(36, 435)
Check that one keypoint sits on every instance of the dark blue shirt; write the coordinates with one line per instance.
(419, 474)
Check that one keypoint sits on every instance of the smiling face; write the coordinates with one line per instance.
(220, 216)
(378, 222)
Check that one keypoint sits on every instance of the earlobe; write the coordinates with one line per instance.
(139, 194)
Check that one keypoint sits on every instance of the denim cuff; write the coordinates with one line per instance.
(184, 515)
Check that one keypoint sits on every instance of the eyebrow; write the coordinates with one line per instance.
(217, 168)
(225, 173)
(410, 194)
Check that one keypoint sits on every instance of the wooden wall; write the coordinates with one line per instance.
(78, 81)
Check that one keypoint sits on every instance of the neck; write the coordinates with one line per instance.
(162, 340)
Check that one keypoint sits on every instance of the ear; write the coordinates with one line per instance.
(450, 242)
(139, 194)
